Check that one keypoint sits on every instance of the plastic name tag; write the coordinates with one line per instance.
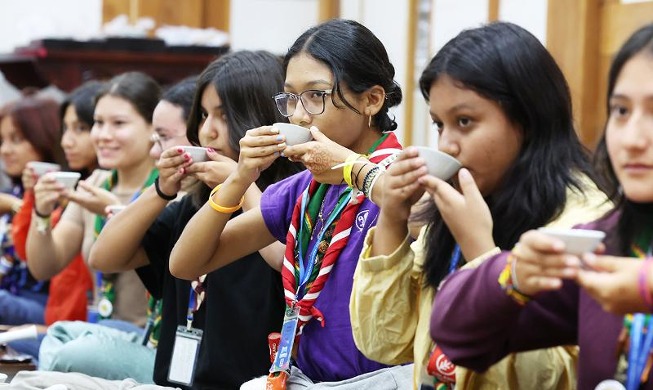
(282, 361)
(184, 355)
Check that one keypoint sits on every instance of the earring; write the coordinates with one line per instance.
(369, 121)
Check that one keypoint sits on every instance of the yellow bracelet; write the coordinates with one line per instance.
(349, 165)
(506, 282)
(222, 209)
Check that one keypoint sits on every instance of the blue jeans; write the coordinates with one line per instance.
(26, 308)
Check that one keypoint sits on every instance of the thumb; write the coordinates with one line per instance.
(317, 134)
(467, 185)
(87, 187)
(601, 263)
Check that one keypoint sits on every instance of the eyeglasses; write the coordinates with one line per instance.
(313, 101)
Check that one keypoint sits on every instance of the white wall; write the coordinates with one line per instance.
(270, 24)
(24, 20)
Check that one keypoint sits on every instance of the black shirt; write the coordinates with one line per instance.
(243, 303)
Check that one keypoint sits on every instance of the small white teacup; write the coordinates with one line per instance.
(41, 168)
(197, 153)
(294, 134)
(439, 164)
(68, 179)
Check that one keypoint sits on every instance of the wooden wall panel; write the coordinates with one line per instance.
(573, 31)
(216, 14)
(192, 13)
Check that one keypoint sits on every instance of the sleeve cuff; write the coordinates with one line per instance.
(384, 262)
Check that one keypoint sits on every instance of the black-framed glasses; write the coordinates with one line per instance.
(313, 101)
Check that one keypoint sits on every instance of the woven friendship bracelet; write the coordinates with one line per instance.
(223, 209)
(507, 282)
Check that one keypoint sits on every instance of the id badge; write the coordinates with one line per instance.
(184, 355)
(282, 361)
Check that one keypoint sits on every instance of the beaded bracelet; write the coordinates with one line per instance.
(644, 290)
(369, 177)
(223, 209)
(507, 282)
(162, 194)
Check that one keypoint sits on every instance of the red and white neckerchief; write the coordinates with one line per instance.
(307, 310)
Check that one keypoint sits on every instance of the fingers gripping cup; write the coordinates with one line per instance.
(294, 134)
(439, 164)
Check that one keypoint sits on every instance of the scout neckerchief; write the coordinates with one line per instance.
(636, 337)
(440, 373)
(304, 276)
(106, 282)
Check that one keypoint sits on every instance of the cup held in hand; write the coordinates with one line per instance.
(68, 179)
(41, 168)
(577, 241)
(294, 134)
(439, 164)
(197, 153)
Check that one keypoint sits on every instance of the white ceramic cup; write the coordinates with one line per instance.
(294, 134)
(439, 164)
(197, 153)
(577, 241)
(41, 168)
(68, 179)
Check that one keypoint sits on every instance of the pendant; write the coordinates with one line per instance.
(105, 308)
(610, 384)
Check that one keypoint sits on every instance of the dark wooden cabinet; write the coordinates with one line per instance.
(67, 64)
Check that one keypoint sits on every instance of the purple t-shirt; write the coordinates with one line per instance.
(325, 353)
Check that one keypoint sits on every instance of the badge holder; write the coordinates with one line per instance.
(184, 355)
(280, 370)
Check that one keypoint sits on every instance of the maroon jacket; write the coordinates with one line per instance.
(476, 323)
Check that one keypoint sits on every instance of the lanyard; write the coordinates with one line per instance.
(455, 259)
(195, 300)
(306, 270)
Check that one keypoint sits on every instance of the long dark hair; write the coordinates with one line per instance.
(506, 64)
(82, 99)
(631, 222)
(38, 121)
(356, 57)
(245, 82)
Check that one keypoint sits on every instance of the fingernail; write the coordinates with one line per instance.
(274, 130)
(279, 137)
(180, 150)
(464, 174)
(187, 157)
(182, 170)
(210, 150)
(282, 154)
(282, 145)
